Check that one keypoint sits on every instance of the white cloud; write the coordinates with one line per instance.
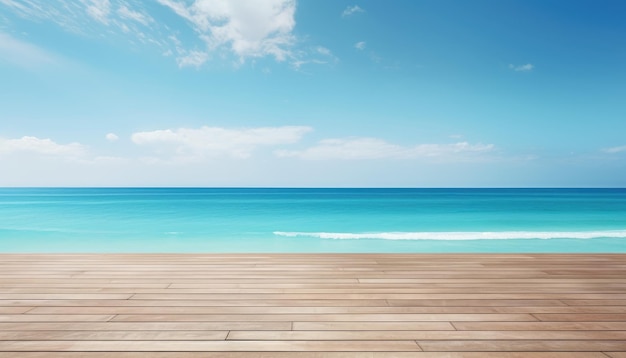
(351, 10)
(192, 59)
(29, 144)
(112, 137)
(317, 56)
(127, 13)
(373, 148)
(324, 51)
(222, 29)
(24, 54)
(522, 68)
(356, 148)
(193, 144)
(614, 150)
(98, 9)
(299, 63)
(360, 45)
(252, 28)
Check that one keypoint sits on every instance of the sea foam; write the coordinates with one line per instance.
(469, 235)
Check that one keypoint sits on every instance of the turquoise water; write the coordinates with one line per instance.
(312, 220)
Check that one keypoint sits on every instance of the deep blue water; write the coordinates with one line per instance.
(311, 220)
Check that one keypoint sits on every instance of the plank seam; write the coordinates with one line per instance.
(26, 312)
(420, 347)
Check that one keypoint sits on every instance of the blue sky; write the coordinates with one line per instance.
(433, 93)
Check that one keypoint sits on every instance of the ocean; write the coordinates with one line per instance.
(256, 220)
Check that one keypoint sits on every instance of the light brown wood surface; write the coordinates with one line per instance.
(313, 305)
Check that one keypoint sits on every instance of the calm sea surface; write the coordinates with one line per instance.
(312, 220)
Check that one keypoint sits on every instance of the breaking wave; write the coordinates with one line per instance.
(469, 235)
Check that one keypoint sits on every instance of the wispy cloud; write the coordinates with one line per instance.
(196, 143)
(613, 150)
(324, 51)
(360, 45)
(28, 144)
(522, 68)
(192, 59)
(89, 17)
(98, 9)
(144, 19)
(112, 137)
(374, 148)
(318, 55)
(246, 28)
(17, 6)
(351, 10)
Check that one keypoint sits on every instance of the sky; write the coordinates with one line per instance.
(313, 93)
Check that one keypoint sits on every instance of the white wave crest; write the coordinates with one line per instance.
(469, 235)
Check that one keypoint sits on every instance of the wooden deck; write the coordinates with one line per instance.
(318, 305)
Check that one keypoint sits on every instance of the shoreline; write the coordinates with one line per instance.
(356, 304)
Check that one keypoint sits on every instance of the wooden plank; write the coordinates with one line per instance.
(330, 305)
(408, 317)
(426, 335)
(145, 326)
(64, 296)
(616, 354)
(327, 354)
(54, 318)
(194, 303)
(8, 310)
(522, 346)
(372, 326)
(116, 335)
(522, 301)
(584, 317)
(210, 346)
(539, 326)
(374, 296)
(285, 310)
(594, 302)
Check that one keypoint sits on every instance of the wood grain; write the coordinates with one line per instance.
(313, 305)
